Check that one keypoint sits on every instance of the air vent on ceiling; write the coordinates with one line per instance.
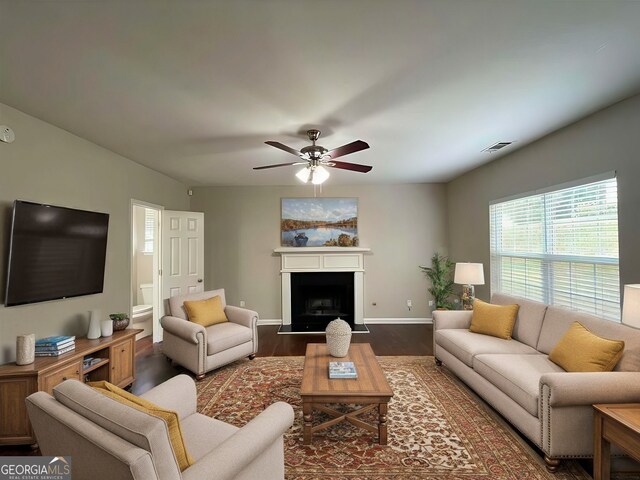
(497, 146)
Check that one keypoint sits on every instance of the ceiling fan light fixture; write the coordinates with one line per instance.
(304, 174)
(319, 175)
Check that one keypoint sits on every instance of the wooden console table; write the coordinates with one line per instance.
(19, 381)
(618, 424)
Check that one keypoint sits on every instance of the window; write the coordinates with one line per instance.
(560, 247)
(149, 229)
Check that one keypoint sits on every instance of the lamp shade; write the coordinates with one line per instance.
(631, 305)
(469, 274)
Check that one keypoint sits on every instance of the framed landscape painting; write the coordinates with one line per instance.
(319, 222)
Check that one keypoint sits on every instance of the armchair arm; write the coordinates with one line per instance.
(178, 394)
(242, 316)
(184, 329)
(451, 319)
(241, 448)
(562, 389)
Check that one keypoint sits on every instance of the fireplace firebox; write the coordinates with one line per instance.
(319, 297)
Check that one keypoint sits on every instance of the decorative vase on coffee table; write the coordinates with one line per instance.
(338, 337)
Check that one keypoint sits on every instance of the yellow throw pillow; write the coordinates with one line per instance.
(206, 312)
(170, 417)
(579, 350)
(494, 320)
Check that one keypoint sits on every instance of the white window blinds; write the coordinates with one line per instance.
(149, 229)
(560, 247)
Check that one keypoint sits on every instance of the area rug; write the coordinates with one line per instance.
(437, 427)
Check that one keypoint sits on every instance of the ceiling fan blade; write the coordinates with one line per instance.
(283, 147)
(280, 165)
(356, 167)
(348, 148)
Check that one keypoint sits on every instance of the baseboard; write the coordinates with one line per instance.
(269, 321)
(367, 321)
(398, 321)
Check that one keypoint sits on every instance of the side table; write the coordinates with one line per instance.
(618, 424)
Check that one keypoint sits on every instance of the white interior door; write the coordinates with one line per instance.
(182, 253)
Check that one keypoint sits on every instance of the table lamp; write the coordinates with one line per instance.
(631, 306)
(468, 275)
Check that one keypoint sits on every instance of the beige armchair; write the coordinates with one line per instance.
(107, 439)
(201, 349)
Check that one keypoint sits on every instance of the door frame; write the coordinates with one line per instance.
(158, 310)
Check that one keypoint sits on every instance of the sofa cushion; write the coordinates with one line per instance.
(465, 345)
(202, 434)
(494, 320)
(557, 321)
(205, 312)
(176, 303)
(579, 350)
(529, 319)
(169, 416)
(518, 376)
(141, 429)
(224, 336)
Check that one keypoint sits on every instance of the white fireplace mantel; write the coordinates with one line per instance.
(323, 259)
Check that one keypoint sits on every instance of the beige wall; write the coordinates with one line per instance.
(605, 141)
(49, 165)
(402, 224)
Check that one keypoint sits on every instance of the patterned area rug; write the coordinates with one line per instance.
(437, 428)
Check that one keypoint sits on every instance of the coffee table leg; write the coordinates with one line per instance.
(307, 416)
(382, 423)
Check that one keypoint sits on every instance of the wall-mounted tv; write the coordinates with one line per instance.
(54, 252)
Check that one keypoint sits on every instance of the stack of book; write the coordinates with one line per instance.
(54, 346)
(342, 370)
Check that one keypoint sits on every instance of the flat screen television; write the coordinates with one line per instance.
(54, 252)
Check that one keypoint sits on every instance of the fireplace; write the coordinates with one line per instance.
(319, 297)
(320, 284)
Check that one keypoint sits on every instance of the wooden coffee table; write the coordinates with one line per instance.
(370, 390)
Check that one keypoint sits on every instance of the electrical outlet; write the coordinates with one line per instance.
(409, 304)
(242, 303)
(431, 303)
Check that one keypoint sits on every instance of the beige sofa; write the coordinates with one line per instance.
(108, 440)
(201, 349)
(551, 407)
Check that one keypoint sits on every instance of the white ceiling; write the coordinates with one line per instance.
(194, 88)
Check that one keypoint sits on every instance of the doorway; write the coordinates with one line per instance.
(145, 269)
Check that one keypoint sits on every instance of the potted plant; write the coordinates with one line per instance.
(439, 273)
(120, 321)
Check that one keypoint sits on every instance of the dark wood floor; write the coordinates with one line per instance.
(152, 367)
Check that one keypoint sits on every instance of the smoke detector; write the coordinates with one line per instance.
(6, 134)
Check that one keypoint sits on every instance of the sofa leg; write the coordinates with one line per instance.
(552, 464)
(252, 356)
(200, 376)
(438, 362)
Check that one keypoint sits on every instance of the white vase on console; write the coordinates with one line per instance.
(94, 325)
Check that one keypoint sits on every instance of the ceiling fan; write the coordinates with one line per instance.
(316, 157)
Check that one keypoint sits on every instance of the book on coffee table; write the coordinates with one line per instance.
(342, 370)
